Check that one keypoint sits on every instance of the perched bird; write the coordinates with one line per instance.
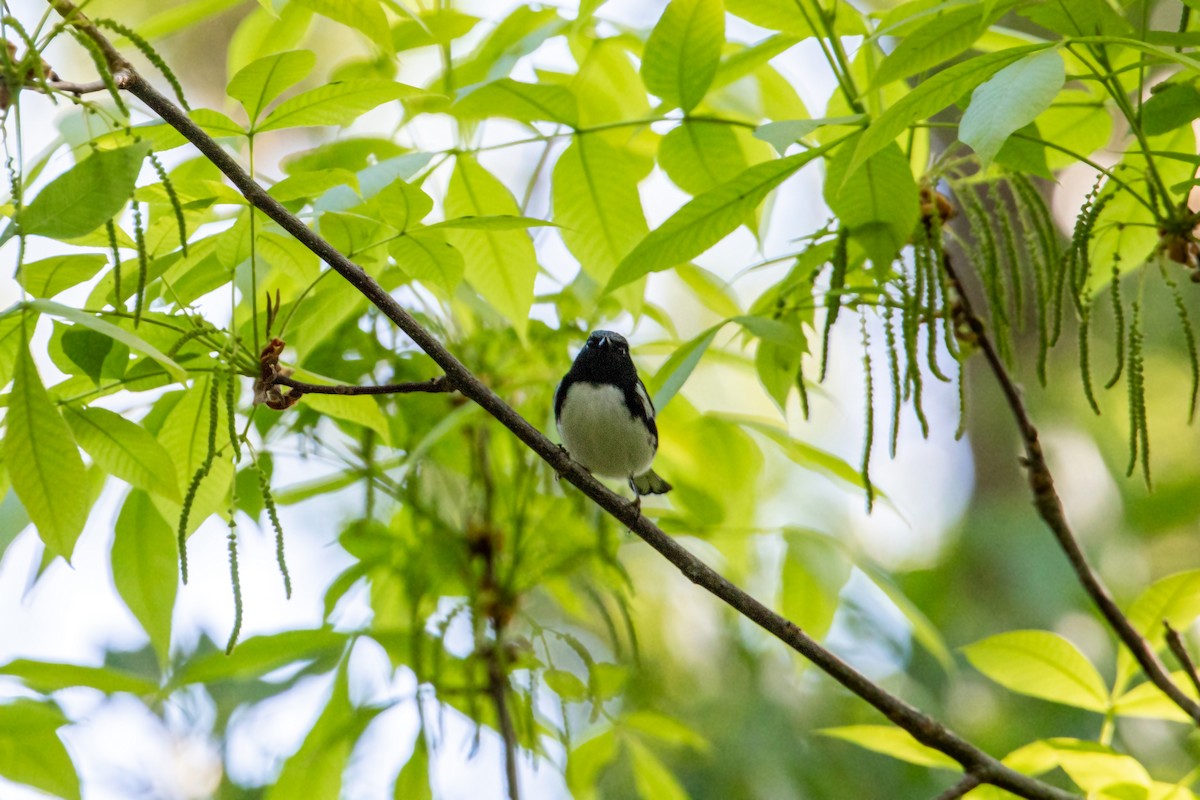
(605, 417)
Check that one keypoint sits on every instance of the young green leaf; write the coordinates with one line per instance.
(1174, 599)
(651, 776)
(501, 265)
(1010, 100)
(50, 676)
(683, 51)
(261, 81)
(127, 338)
(50, 481)
(894, 742)
(879, 202)
(86, 196)
(939, 39)
(362, 411)
(708, 218)
(124, 449)
(931, 96)
(675, 371)
(337, 103)
(426, 256)
(364, 16)
(50, 276)
(315, 770)
(1040, 664)
(145, 568)
(596, 201)
(31, 751)
(699, 155)
(524, 102)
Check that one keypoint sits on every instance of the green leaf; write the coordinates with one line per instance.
(1147, 700)
(315, 770)
(683, 52)
(664, 729)
(652, 778)
(432, 28)
(1010, 100)
(1169, 107)
(50, 482)
(811, 581)
(500, 265)
(256, 657)
(713, 293)
(931, 96)
(524, 102)
(1175, 599)
(596, 201)
(49, 676)
(124, 449)
(145, 568)
(784, 133)
(338, 103)
(1078, 17)
(1040, 664)
(802, 453)
(698, 155)
(894, 742)
(791, 16)
(86, 196)
(364, 16)
(675, 371)
(127, 338)
(50, 276)
(566, 685)
(879, 202)
(938, 40)
(586, 762)
(708, 218)
(413, 782)
(494, 222)
(362, 411)
(427, 257)
(261, 81)
(31, 752)
(12, 342)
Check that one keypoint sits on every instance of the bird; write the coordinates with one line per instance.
(605, 417)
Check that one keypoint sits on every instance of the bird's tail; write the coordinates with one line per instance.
(649, 483)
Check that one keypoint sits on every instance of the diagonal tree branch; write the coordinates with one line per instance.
(1050, 508)
(921, 726)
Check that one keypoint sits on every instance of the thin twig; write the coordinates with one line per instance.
(923, 727)
(1175, 642)
(968, 782)
(434, 385)
(1050, 508)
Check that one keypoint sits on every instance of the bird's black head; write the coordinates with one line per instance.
(604, 359)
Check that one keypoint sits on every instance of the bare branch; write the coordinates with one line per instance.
(968, 782)
(436, 385)
(924, 728)
(1050, 508)
(74, 88)
(1175, 642)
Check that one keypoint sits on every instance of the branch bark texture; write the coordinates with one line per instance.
(920, 725)
(1050, 508)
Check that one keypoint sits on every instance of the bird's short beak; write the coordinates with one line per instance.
(603, 341)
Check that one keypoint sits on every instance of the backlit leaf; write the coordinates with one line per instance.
(145, 568)
(1010, 100)
(86, 196)
(683, 51)
(50, 480)
(261, 81)
(337, 103)
(1040, 664)
(124, 449)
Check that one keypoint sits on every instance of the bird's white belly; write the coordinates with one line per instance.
(600, 433)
